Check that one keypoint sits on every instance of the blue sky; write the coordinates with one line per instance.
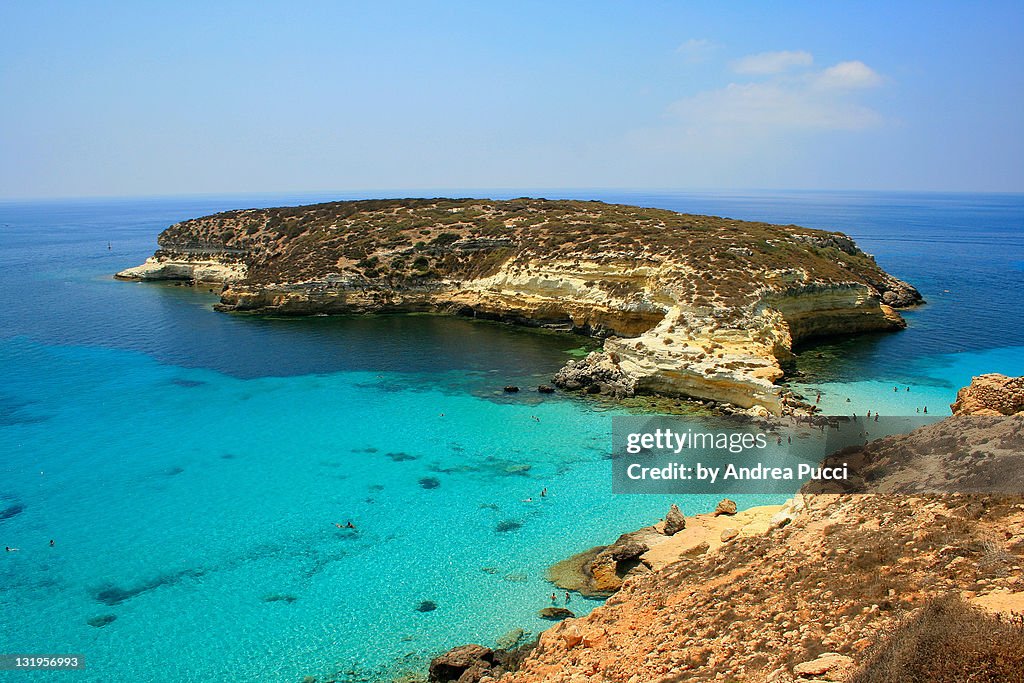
(153, 98)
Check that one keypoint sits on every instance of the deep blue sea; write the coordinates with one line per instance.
(190, 466)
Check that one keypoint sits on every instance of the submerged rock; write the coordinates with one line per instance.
(11, 511)
(511, 639)
(426, 606)
(430, 482)
(511, 389)
(102, 620)
(507, 525)
(401, 456)
(555, 613)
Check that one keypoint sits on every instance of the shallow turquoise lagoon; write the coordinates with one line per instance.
(191, 466)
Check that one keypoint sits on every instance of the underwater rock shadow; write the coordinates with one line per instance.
(112, 594)
(187, 383)
(11, 511)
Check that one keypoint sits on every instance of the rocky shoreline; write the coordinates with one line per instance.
(879, 586)
(696, 306)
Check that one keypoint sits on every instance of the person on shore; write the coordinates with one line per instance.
(876, 417)
(869, 414)
(926, 410)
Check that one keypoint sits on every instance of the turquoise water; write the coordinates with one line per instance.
(190, 466)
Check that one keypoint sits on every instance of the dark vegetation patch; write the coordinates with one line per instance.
(948, 641)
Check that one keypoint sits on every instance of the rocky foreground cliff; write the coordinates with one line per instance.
(864, 588)
(688, 305)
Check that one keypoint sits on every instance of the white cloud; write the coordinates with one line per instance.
(772, 105)
(696, 50)
(849, 75)
(771, 118)
(825, 99)
(766, 63)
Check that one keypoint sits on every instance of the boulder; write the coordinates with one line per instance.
(555, 613)
(830, 666)
(674, 521)
(598, 373)
(991, 394)
(452, 665)
(728, 534)
(725, 507)
(571, 637)
(545, 389)
(511, 389)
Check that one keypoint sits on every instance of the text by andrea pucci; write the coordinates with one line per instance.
(735, 443)
(714, 455)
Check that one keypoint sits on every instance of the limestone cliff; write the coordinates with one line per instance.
(692, 305)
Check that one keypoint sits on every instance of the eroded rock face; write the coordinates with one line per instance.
(991, 394)
(689, 305)
(599, 372)
(466, 663)
(600, 571)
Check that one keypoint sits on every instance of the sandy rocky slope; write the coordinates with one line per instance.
(920, 583)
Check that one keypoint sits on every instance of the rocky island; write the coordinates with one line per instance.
(687, 305)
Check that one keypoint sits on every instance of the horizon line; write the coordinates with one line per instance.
(460, 193)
